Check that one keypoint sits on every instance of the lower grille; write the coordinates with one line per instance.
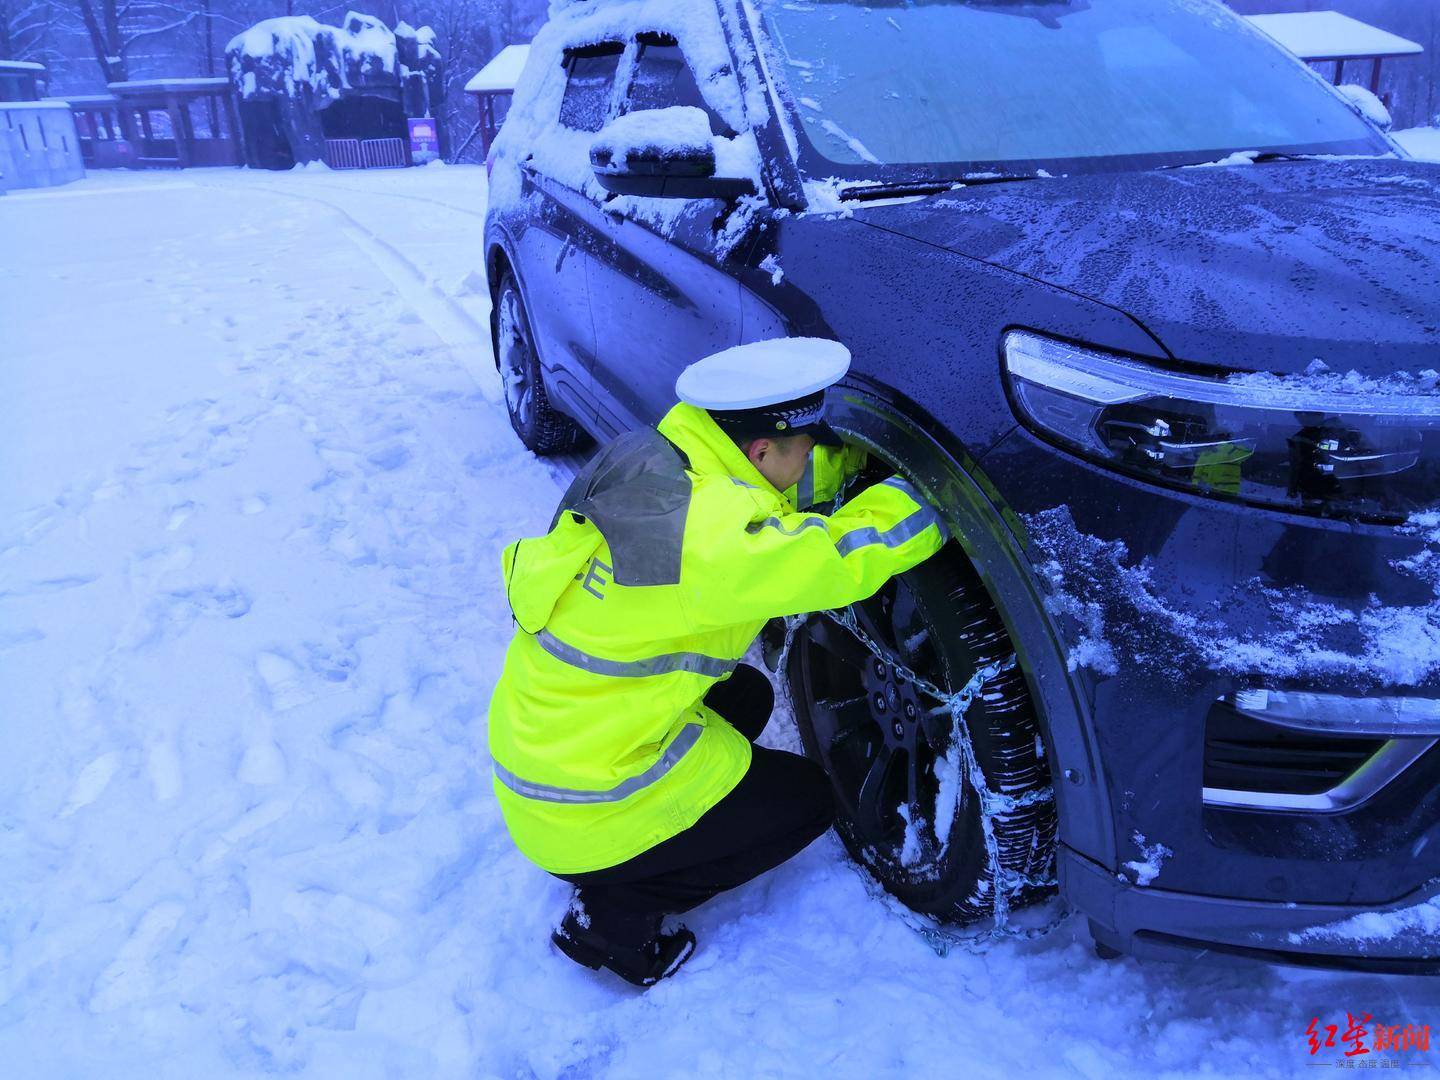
(1245, 754)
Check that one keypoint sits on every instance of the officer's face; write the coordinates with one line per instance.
(781, 461)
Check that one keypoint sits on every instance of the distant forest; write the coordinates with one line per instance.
(87, 43)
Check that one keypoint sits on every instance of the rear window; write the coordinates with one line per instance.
(590, 75)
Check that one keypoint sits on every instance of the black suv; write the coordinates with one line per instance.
(1151, 312)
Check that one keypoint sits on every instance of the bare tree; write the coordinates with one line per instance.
(116, 27)
(469, 33)
(27, 30)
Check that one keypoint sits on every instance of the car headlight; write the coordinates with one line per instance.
(1372, 455)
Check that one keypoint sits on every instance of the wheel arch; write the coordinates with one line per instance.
(497, 261)
(955, 484)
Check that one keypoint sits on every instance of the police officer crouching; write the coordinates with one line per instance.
(623, 726)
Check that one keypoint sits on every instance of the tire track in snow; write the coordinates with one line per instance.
(436, 309)
(467, 338)
(405, 195)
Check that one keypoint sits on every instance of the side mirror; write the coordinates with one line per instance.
(1368, 105)
(666, 154)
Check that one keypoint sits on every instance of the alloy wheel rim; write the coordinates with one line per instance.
(515, 360)
(879, 738)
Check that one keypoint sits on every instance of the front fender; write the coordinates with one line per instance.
(955, 484)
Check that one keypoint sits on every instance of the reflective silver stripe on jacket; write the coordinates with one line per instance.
(899, 533)
(805, 489)
(711, 667)
(678, 748)
(776, 523)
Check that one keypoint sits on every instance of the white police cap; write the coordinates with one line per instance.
(763, 373)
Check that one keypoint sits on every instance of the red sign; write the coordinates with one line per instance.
(1352, 1038)
(424, 140)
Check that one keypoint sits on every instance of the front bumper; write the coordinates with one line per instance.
(1167, 603)
(1151, 923)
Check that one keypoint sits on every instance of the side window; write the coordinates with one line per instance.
(590, 74)
(662, 78)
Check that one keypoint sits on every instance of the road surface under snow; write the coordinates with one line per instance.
(256, 480)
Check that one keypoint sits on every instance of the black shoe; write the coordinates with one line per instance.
(644, 965)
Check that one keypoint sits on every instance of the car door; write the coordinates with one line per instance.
(664, 288)
(560, 230)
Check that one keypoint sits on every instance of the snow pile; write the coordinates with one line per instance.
(1421, 142)
(1108, 605)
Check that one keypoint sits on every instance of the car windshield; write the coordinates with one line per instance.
(946, 88)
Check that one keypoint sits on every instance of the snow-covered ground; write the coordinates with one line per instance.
(1422, 142)
(256, 477)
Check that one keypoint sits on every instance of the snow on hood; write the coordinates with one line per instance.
(1245, 268)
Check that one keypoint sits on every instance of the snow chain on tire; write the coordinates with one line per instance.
(1008, 884)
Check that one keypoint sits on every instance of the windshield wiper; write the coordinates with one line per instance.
(1245, 157)
(900, 189)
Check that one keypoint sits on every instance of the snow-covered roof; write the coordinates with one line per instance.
(502, 72)
(20, 65)
(1328, 35)
(203, 83)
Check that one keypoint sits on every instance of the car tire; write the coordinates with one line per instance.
(541, 427)
(868, 728)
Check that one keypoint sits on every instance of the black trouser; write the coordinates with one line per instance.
(781, 804)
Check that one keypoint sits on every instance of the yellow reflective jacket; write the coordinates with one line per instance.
(667, 555)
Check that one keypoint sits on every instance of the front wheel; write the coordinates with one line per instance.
(541, 427)
(908, 806)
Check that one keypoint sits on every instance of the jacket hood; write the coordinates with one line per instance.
(631, 496)
(538, 570)
(1263, 267)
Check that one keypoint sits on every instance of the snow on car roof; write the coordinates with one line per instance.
(1329, 35)
(502, 72)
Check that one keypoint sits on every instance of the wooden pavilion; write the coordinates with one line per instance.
(493, 88)
(1321, 37)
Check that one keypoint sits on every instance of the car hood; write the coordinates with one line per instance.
(1253, 268)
